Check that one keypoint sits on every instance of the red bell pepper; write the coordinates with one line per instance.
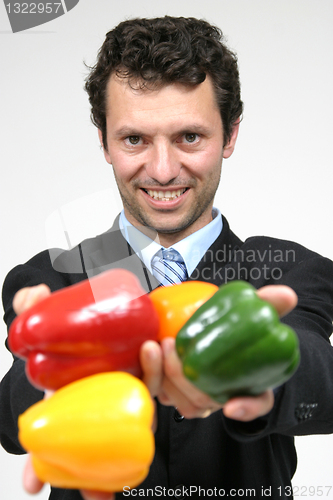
(94, 326)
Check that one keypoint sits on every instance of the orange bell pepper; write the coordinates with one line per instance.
(94, 433)
(176, 304)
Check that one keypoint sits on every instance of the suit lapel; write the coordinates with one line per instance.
(212, 266)
(111, 250)
(114, 252)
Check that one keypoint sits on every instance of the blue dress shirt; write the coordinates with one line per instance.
(192, 248)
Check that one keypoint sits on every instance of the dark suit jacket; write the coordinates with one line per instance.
(214, 452)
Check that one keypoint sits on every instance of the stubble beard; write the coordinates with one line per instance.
(205, 200)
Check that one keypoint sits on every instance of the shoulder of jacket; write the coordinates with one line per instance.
(275, 245)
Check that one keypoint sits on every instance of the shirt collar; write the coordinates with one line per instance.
(192, 248)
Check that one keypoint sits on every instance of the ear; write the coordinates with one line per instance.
(105, 151)
(230, 146)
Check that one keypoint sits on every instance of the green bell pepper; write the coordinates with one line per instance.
(235, 345)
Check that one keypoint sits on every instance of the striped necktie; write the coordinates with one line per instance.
(168, 267)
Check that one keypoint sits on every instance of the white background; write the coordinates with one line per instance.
(278, 182)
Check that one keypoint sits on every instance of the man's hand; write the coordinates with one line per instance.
(173, 389)
(27, 297)
(33, 485)
(164, 378)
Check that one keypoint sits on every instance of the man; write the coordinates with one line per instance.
(165, 97)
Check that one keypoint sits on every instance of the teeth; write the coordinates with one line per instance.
(165, 195)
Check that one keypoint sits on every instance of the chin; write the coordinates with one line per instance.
(170, 229)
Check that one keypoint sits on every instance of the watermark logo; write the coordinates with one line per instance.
(25, 15)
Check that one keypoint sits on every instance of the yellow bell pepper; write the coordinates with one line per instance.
(176, 304)
(94, 433)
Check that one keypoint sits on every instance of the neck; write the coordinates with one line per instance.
(167, 239)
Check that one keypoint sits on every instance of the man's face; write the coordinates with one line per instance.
(166, 148)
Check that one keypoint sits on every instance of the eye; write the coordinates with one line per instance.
(190, 138)
(133, 140)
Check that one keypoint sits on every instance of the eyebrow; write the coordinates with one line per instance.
(126, 131)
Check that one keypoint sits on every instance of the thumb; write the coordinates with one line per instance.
(31, 483)
(27, 297)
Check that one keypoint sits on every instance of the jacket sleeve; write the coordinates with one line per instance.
(16, 393)
(304, 404)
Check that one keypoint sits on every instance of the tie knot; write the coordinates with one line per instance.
(171, 254)
(168, 267)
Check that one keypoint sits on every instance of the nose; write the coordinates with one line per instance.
(163, 165)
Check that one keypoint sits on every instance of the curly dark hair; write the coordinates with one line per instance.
(166, 50)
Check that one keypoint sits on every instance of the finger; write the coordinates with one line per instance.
(249, 408)
(48, 394)
(152, 366)
(178, 391)
(173, 369)
(185, 406)
(97, 495)
(27, 297)
(31, 483)
(282, 297)
(164, 399)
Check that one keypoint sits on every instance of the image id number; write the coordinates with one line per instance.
(304, 491)
(33, 8)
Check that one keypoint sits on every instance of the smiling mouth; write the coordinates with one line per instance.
(165, 195)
